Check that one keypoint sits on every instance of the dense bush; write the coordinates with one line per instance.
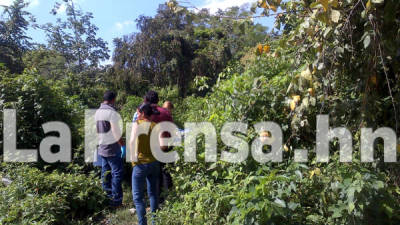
(37, 197)
(37, 101)
(129, 108)
(284, 193)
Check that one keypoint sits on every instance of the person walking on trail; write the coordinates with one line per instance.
(146, 169)
(110, 148)
(164, 114)
(160, 114)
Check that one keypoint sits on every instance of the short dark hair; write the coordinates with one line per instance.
(109, 96)
(151, 97)
(147, 109)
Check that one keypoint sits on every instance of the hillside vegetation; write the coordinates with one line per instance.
(324, 57)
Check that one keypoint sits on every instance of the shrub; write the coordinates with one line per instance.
(37, 102)
(48, 198)
(279, 193)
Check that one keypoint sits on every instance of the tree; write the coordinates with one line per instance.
(222, 38)
(76, 38)
(161, 53)
(13, 39)
(177, 45)
(49, 63)
(37, 101)
(348, 49)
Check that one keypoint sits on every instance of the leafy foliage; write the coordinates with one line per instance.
(76, 38)
(47, 198)
(13, 39)
(177, 45)
(50, 64)
(37, 102)
(253, 193)
(347, 54)
(329, 57)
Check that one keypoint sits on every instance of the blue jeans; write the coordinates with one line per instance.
(141, 174)
(112, 172)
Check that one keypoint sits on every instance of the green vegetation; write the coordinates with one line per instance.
(329, 57)
(273, 193)
(48, 197)
(177, 45)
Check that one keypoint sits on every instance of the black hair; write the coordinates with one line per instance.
(151, 97)
(147, 109)
(109, 96)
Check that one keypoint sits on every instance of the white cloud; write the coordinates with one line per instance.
(214, 5)
(33, 3)
(62, 9)
(6, 2)
(122, 25)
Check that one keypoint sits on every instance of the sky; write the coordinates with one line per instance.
(116, 18)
